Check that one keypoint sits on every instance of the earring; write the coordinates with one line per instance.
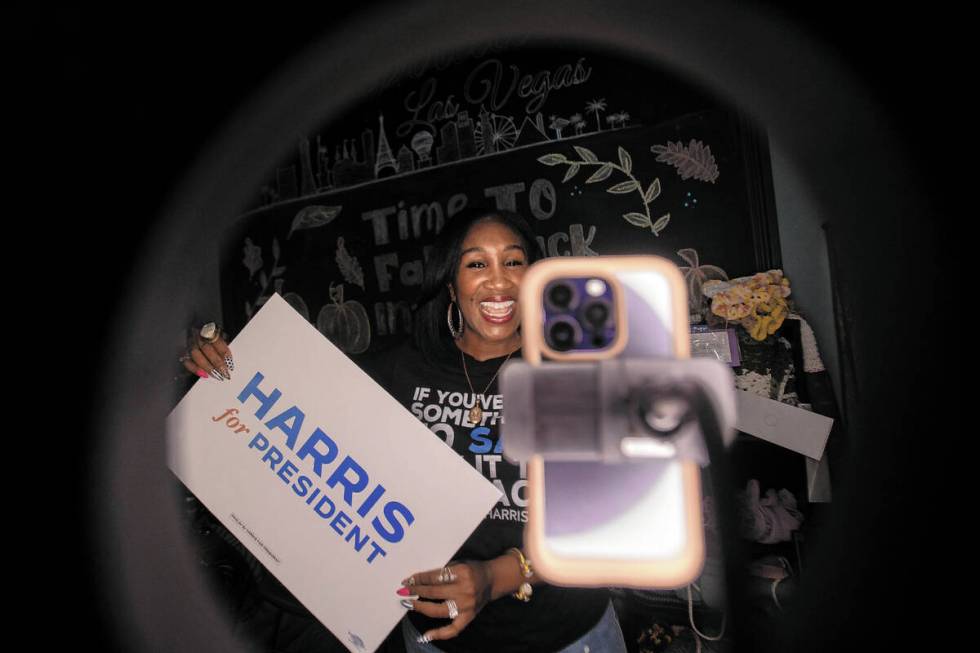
(456, 333)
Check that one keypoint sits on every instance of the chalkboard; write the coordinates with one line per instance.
(341, 229)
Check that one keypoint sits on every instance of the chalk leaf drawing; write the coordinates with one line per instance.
(349, 267)
(345, 324)
(311, 217)
(254, 263)
(605, 169)
(253, 257)
(696, 275)
(694, 161)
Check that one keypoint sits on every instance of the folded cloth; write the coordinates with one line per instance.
(768, 519)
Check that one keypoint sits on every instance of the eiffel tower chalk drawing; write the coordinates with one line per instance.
(384, 159)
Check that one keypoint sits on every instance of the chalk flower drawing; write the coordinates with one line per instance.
(349, 267)
(253, 256)
(311, 217)
(694, 161)
(625, 166)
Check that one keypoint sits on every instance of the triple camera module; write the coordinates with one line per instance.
(579, 314)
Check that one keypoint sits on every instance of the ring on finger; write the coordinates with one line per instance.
(453, 610)
(210, 332)
(446, 575)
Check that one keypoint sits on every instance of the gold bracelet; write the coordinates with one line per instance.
(525, 590)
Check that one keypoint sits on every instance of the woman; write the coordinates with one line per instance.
(466, 328)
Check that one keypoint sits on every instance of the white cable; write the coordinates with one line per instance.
(690, 614)
(773, 590)
(789, 570)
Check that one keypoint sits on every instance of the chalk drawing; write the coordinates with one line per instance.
(596, 107)
(692, 162)
(531, 132)
(422, 144)
(311, 217)
(494, 133)
(345, 323)
(605, 169)
(349, 266)
(558, 123)
(384, 159)
(253, 263)
(695, 275)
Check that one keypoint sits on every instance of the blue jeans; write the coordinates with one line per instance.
(605, 637)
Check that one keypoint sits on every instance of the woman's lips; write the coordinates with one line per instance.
(497, 312)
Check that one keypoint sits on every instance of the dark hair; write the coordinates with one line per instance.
(431, 332)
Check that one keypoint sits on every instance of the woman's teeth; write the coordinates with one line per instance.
(497, 309)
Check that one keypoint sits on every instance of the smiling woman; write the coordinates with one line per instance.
(493, 262)
(467, 326)
(471, 278)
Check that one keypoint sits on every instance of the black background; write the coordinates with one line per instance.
(94, 85)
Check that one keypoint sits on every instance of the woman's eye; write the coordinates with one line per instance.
(515, 263)
(475, 264)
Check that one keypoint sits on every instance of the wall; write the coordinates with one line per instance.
(805, 260)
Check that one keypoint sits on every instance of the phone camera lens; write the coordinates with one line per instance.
(596, 314)
(562, 336)
(560, 295)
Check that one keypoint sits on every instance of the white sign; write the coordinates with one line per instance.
(799, 430)
(333, 485)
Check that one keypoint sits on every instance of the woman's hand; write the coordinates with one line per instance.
(207, 357)
(467, 587)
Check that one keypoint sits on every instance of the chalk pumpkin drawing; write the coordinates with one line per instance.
(695, 161)
(624, 165)
(345, 323)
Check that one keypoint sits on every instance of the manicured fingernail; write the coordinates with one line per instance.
(202, 374)
(409, 581)
(229, 362)
(404, 591)
(407, 604)
(216, 375)
(225, 373)
(424, 639)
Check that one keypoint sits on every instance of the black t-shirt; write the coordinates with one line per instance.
(436, 391)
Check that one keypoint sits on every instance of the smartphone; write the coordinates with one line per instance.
(634, 522)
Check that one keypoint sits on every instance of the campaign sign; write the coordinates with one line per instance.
(333, 485)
